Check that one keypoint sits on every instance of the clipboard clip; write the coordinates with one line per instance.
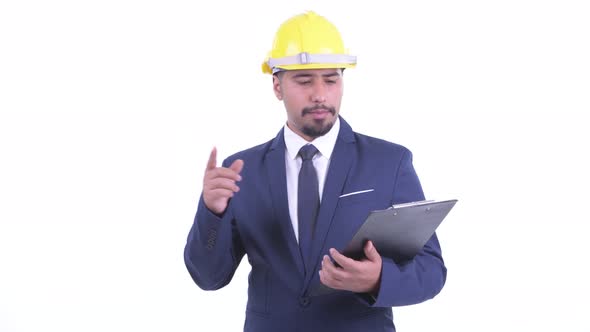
(401, 205)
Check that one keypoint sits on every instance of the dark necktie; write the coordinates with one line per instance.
(308, 201)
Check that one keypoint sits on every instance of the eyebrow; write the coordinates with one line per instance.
(306, 75)
(331, 74)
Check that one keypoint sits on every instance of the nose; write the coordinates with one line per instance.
(319, 93)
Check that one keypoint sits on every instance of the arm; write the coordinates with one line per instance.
(423, 277)
(379, 280)
(213, 250)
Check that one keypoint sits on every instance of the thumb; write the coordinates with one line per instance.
(370, 252)
(237, 166)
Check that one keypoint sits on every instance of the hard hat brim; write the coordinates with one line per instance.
(317, 66)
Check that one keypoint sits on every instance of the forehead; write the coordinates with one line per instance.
(313, 73)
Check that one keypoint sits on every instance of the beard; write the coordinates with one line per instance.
(316, 131)
(320, 127)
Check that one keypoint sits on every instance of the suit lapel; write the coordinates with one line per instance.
(341, 160)
(277, 175)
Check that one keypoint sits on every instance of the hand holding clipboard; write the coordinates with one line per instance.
(399, 232)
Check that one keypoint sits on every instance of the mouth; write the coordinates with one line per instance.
(318, 112)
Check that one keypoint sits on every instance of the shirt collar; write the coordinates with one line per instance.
(325, 144)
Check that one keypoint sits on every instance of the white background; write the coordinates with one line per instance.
(108, 110)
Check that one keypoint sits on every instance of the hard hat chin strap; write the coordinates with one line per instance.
(306, 58)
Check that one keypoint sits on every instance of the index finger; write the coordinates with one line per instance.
(212, 162)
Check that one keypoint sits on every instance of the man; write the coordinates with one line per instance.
(293, 203)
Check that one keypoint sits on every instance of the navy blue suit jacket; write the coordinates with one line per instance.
(257, 223)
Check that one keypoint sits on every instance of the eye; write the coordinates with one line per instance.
(304, 82)
(330, 81)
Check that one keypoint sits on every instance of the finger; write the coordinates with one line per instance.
(222, 172)
(212, 162)
(221, 183)
(345, 262)
(237, 166)
(327, 280)
(329, 274)
(331, 270)
(327, 262)
(371, 252)
(216, 194)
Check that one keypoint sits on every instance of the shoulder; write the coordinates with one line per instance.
(369, 144)
(374, 145)
(251, 154)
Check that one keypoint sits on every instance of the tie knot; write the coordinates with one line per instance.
(308, 151)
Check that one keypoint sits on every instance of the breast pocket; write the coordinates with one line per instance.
(357, 197)
(351, 212)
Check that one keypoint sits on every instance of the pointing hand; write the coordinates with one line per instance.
(219, 184)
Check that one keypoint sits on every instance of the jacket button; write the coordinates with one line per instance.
(304, 301)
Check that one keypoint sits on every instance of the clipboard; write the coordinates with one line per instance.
(398, 232)
(401, 231)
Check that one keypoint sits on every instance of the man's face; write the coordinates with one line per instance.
(312, 99)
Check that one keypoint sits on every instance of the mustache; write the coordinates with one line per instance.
(308, 110)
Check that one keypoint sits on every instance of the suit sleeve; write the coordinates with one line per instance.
(423, 277)
(213, 250)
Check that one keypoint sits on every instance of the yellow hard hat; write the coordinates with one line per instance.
(307, 41)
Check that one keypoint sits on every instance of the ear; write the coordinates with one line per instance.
(276, 87)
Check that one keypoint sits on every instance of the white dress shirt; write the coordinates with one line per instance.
(321, 161)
